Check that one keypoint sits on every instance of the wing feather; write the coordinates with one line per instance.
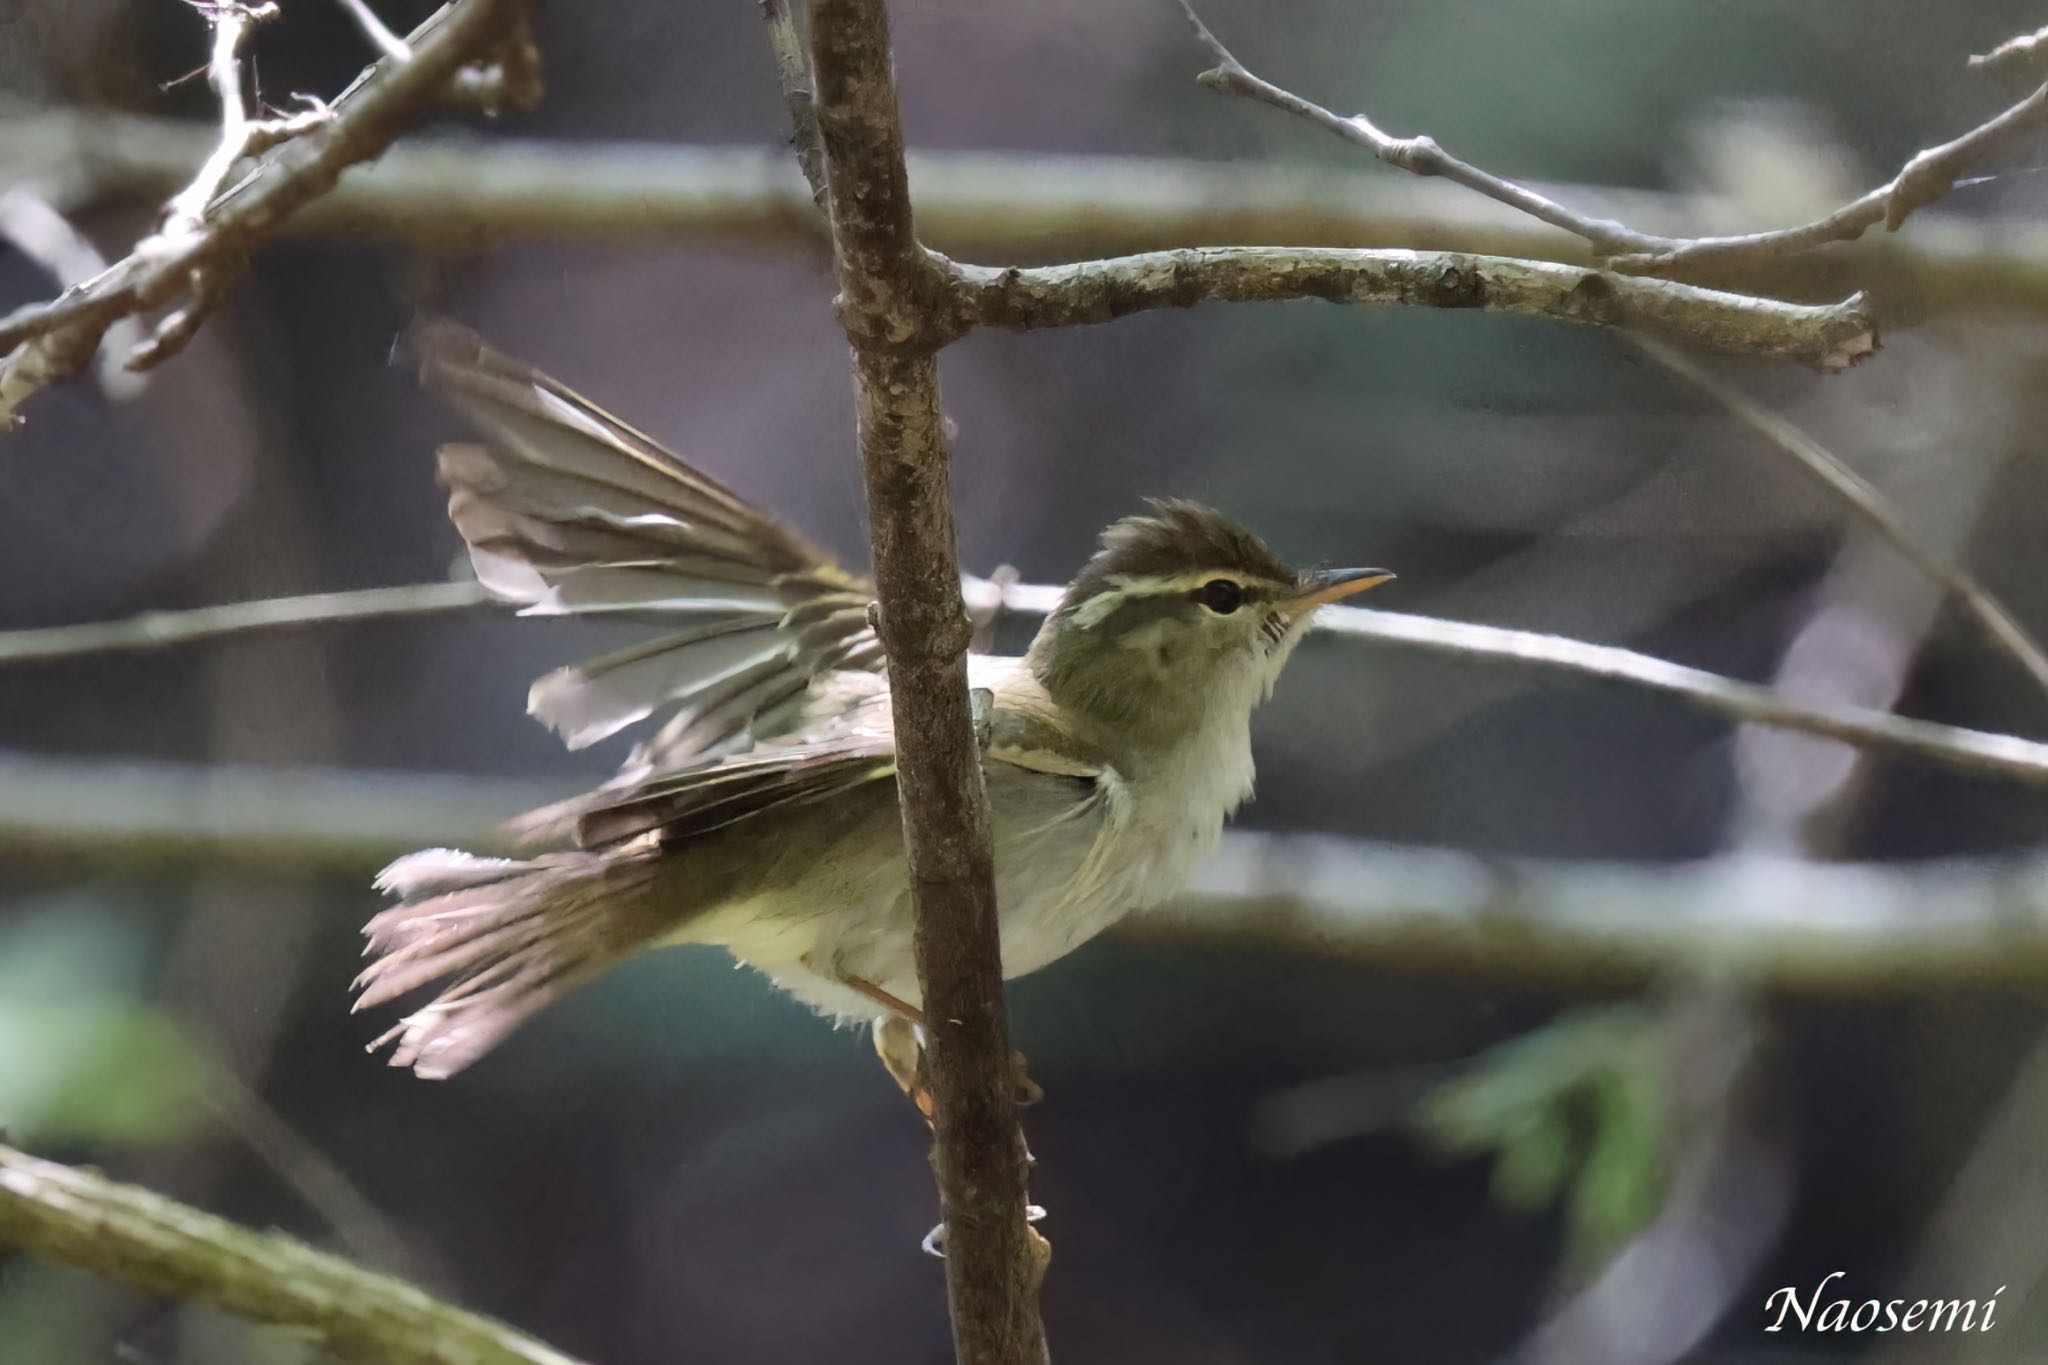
(567, 510)
(687, 804)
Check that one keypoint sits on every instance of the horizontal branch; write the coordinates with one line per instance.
(1973, 751)
(1870, 929)
(159, 1246)
(1002, 206)
(1798, 926)
(1829, 337)
(165, 629)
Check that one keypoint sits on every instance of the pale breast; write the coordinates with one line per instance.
(1075, 852)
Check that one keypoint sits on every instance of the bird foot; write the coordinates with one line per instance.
(899, 1042)
(1024, 1090)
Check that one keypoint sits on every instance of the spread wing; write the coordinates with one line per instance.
(568, 510)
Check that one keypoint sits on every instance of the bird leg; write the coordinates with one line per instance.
(894, 1004)
(899, 1042)
(902, 1054)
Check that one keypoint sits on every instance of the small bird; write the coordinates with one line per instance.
(760, 815)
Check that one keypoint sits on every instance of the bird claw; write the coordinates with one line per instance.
(1024, 1090)
(899, 1043)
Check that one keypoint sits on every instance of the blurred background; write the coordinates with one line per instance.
(1257, 1145)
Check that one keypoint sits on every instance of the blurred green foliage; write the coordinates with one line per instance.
(1573, 1112)
(82, 1059)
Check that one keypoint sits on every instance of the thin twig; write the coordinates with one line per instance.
(381, 37)
(2013, 51)
(1951, 746)
(793, 71)
(1924, 179)
(1828, 337)
(184, 217)
(165, 629)
(1866, 502)
(1973, 751)
(1419, 155)
(359, 1226)
(159, 1246)
(232, 24)
(38, 231)
(893, 305)
(204, 239)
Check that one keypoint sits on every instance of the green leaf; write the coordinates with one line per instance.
(1574, 1109)
(1533, 1164)
(1621, 1181)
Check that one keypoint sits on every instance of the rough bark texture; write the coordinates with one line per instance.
(894, 305)
(159, 1246)
(1827, 336)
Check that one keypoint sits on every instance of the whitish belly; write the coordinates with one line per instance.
(1060, 881)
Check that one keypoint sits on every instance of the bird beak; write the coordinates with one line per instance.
(1329, 585)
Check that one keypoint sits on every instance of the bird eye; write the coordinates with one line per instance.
(1221, 596)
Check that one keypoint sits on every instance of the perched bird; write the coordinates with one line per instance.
(760, 815)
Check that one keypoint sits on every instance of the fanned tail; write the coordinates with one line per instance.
(508, 937)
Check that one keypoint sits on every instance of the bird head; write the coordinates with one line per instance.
(1179, 612)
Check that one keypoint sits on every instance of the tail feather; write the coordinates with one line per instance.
(509, 937)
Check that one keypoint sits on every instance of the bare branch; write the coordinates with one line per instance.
(382, 38)
(793, 70)
(232, 22)
(1799, 926)
(1924, 179)
(1001, 206)
(209, 229)
(38, 231)
(2018, 51)
(1828, 337)
(1974, 751)
(159, 1246)
(1865, 929)
(164, 629)
(891, 302)
(1420, 155)
(1869, 504)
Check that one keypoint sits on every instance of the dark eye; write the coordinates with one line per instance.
(1221, 596)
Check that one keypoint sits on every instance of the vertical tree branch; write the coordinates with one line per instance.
(893, 305)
